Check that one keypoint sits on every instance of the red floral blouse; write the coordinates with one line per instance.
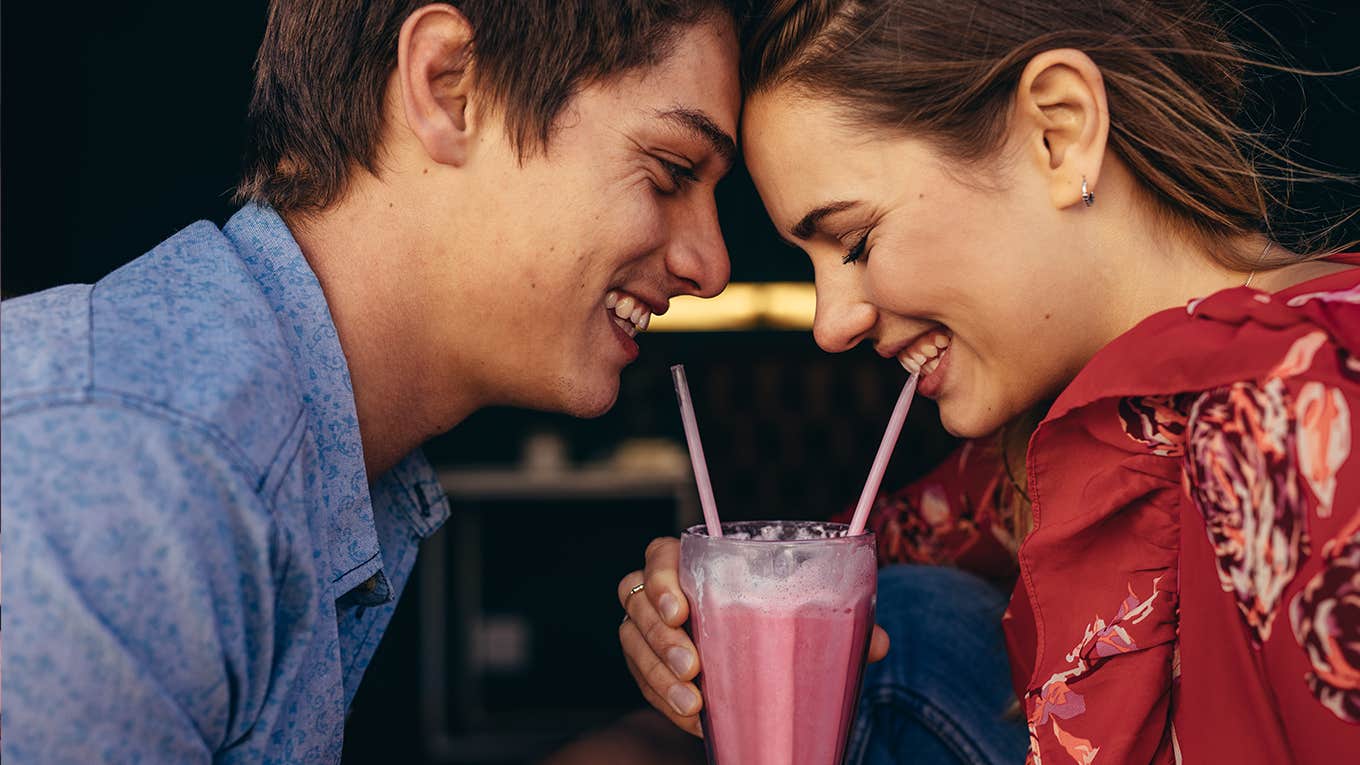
(1191, 587)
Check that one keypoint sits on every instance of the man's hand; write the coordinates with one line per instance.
(659, 653)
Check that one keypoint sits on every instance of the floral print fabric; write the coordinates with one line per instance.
(957, 515)
(1257, 457)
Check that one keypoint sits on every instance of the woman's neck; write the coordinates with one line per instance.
(1289, 276)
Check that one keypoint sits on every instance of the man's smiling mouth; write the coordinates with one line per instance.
(630, 313)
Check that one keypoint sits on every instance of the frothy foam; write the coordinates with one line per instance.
(790, 578)
(776, 532)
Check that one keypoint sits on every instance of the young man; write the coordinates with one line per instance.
(212, 487)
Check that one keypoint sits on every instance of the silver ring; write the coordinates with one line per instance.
(639, 587)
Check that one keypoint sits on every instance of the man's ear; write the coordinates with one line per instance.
(434, 59)
(1060, 104)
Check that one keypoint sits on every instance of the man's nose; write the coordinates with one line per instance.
(698, 255)
(843, 319)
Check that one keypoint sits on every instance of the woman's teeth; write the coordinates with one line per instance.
(631, 314)
(924, 355)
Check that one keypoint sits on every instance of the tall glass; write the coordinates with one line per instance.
(782, 613)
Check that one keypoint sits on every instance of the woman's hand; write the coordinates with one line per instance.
(659, 653)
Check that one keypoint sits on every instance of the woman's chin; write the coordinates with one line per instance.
(963, 421)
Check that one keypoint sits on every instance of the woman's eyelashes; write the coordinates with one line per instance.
(857, 250)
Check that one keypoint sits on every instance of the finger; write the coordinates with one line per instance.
(676, 698)
(626, 585)
(669, 643)
(681, 696)
(878, 644)
(688, 723)
(662, 574)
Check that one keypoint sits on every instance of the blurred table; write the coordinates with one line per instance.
(470, 651)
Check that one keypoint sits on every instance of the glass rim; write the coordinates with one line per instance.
(699, 531)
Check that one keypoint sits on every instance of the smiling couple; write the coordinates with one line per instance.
(212, 484)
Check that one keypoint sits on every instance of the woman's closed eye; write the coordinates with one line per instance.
(857, 250)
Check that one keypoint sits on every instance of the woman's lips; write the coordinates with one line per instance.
(934, 374)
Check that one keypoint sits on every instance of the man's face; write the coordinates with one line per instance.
(616, 216)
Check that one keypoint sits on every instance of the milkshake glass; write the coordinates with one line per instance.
(781, 613)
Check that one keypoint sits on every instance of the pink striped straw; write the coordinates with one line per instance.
(885, 450)
(696, 452)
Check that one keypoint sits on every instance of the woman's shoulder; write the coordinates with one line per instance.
(1311, 329)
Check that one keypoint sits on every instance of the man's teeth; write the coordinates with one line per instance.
(629, 313)
(924, 355)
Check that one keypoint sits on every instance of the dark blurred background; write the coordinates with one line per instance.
(123, 123)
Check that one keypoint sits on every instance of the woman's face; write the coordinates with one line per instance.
(969, 267)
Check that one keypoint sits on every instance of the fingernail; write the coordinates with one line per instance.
(670, 607)
(679, 659)
(682, 698)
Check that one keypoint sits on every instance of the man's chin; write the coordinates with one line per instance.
(591, 401)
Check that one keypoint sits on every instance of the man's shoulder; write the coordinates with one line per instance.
(45, 343)
(183, 330)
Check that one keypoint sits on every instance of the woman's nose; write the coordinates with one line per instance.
(843, 318)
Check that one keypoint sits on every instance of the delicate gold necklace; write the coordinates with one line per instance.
(1006, 460)
(1259, 258)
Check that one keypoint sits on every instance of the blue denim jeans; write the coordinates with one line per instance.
(942, 694)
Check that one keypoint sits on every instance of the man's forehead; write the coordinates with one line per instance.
(698, 74)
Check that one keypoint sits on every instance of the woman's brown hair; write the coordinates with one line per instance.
(946, 72)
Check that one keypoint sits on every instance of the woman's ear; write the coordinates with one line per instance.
(434, 59)
(1060, 104)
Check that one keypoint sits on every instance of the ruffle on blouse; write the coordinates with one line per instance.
(1111, 545)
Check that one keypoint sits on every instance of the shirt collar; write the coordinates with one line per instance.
(1232, 335)
(273, 257)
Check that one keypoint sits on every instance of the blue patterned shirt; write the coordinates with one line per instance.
(196, 567)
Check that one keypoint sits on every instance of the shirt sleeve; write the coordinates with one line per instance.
(1271, 466)
(960, 514)
(140, 589)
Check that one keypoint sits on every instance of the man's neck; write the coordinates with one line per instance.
(358, 251)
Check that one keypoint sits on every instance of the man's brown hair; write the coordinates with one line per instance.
(321, 75)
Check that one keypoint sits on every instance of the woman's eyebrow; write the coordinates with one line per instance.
(807, 225)
(698, 123)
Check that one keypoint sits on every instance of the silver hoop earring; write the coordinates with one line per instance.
(1087, 196)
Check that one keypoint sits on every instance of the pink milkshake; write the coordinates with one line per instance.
(781, 613)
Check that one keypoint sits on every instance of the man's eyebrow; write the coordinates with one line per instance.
(698, 122)
(808, 224)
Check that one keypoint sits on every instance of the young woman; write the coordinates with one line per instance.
(1047, 209)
